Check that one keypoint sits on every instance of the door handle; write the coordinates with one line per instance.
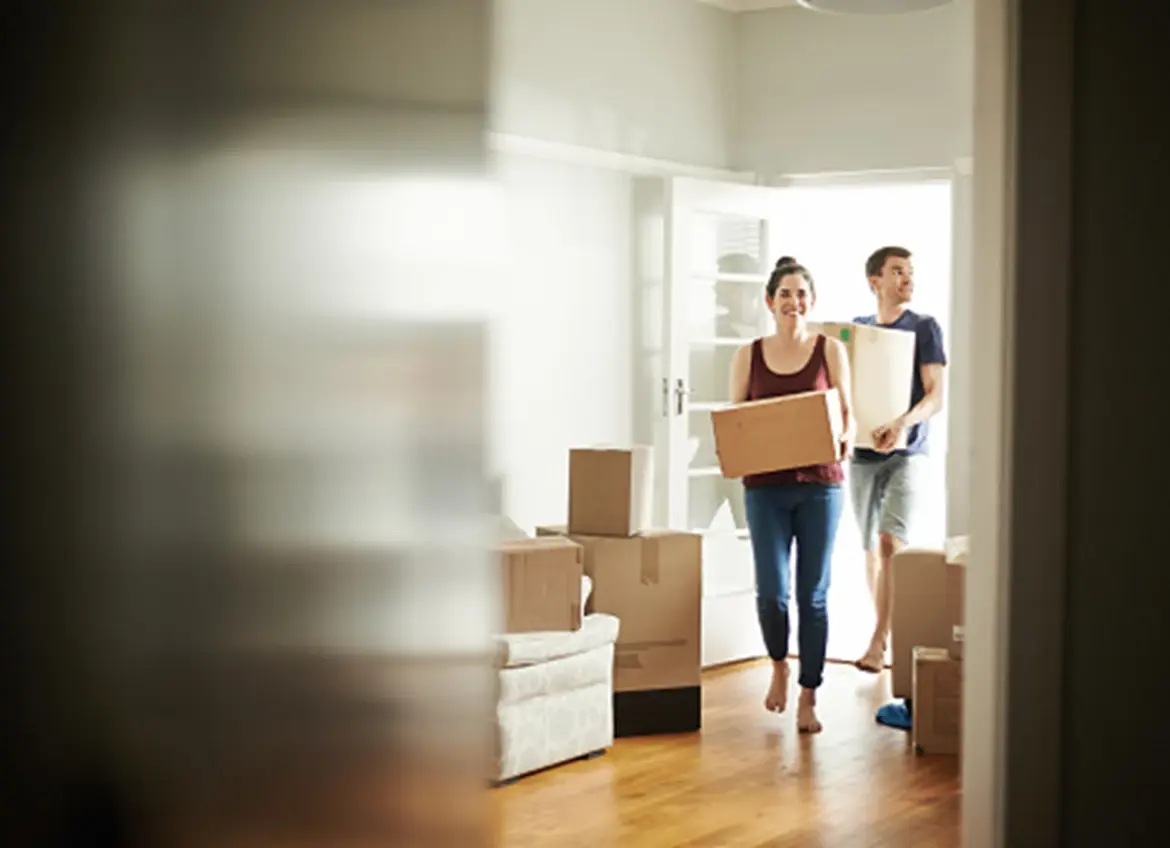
(680, 392)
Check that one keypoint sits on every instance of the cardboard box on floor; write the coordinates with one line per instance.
(541, 584)
(610, 490)
(938, 702)
(956, 553)
(777, 434)
(881, 361)
(928, 588)
(653, 583)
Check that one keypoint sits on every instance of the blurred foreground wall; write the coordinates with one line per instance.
(245, 594)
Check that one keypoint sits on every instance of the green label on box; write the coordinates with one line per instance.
(844, 334)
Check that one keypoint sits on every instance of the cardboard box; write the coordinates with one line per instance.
(956, 555)
(881, 361)
(541, 584)
(777, 434)
(653, 584)
(938, 702)
(927, 591)
(610, 490)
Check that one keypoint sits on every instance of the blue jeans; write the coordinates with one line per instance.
(776, 515)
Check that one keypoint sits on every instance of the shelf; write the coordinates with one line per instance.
(705, 471)
(751, 279)
(721, 341)
(707, 406)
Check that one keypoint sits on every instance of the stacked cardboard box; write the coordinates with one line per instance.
(650, 579)
(938, 702)
(926, 634)
(540, 579)
(541, 584)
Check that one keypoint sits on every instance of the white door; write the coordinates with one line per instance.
(718, 258)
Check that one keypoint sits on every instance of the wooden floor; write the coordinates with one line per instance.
(748, 779)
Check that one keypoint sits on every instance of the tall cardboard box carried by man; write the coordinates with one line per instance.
(776, 434)
(881, 361)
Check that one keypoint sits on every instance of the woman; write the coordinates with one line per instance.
(802, 504)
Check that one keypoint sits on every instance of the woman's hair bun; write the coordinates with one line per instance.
(786, 260)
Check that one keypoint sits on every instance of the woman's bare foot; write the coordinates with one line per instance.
(806, 712)
(777, 698)
(875, 658)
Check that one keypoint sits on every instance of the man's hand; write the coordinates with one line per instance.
(885, 438)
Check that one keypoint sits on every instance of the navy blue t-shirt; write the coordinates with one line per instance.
(928, 350)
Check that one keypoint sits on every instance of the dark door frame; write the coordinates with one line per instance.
(1023, 205)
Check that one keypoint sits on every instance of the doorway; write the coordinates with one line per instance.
(832, 227)
(722, 241)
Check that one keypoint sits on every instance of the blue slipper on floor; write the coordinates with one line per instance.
(897, 715)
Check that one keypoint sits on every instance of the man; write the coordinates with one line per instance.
(887, 483)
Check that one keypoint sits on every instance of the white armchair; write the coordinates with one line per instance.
(555, 696)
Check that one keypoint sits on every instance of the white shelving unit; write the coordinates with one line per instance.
(717, 262)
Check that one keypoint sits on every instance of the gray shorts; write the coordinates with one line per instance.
(886, 496)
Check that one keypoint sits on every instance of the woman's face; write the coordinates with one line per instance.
(793, 299)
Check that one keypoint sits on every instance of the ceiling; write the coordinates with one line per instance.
(749, 5)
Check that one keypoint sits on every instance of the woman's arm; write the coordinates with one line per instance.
(741, 374)
(838, 361)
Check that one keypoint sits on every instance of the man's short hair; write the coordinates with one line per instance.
(877, 260)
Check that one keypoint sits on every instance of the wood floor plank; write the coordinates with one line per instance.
(748, 780)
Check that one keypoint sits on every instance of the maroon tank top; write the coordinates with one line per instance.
(766, 383)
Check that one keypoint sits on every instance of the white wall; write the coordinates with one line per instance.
(779, 91)
(824, 92)
(563, 364)
(645, 77)
(649, 78)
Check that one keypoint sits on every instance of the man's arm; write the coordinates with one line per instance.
(932, 360)
(933, 380)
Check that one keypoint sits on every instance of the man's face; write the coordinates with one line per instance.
(896, 283)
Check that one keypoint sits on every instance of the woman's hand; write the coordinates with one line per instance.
(847, 439)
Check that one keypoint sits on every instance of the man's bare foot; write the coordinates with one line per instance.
(806, 712)
(874, 660)
(777, 698)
